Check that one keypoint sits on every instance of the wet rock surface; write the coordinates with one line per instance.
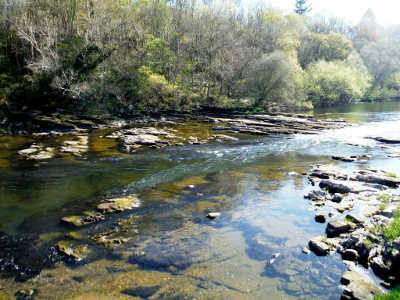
(273, 125)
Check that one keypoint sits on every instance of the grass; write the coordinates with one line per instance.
(395, 294)
(391, 174)
(389, 232)
(368, 243)
(392, 231)
(385, 198)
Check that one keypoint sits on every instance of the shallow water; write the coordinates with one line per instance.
(173, 251)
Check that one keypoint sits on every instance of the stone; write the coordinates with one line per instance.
(358, 286)
(26, 294)
(316, 196)
(213, 215)
(350, 254)
(386, 140)
(119, 204)
(78, 221)
(337, 198)
(344, 158)
(355, 219)
(335, 228)
(318, 246)
(77, 251)
(381, 178)
(334, 187)
(380, 268)
(321, 217)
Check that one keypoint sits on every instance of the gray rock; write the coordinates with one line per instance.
(344, 158)
(337, 198)
(318, 246)
(350, 254)
(358, 286)
(334, 187)
(321, 217)
(355, 219)
(335, 228)
(380, 268)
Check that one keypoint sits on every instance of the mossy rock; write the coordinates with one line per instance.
(88, 218)
(119, 204)
(77, 251)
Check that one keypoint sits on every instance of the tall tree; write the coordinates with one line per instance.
(301, 7)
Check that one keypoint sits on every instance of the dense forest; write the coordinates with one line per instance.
(104, 56)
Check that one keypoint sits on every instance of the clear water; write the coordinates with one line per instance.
(174, 252)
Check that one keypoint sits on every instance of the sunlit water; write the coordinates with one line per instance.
(174, 251)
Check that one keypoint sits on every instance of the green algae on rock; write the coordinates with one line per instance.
(76, 251)
(119, 204)
(86, 219)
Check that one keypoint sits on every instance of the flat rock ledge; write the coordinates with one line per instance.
(358, 235)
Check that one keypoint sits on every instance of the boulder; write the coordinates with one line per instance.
(358, 286)
(335, 228)
(350, 254)
(334, 187)
(119, 204)
(321, 217)
(344, 158)
(318, 246)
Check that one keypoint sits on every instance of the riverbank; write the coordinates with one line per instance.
(369, 235)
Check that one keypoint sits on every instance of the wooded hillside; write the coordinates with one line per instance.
(99, 56)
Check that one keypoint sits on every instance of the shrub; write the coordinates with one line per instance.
(333, 83)
(276, 77)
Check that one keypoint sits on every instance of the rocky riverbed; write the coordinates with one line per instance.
(132, 135)
(219, 209)
(361, 209)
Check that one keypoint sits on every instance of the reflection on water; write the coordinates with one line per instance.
(172, 250)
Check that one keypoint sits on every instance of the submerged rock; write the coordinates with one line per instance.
(37, 152)
(119, 204)
(88, 218)
(77, 251)
(26, 294)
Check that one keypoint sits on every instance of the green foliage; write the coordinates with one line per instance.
(392, 231)
(328, 47)
(105, 56)
(276, 78)
(385, 198)
(391, 174)
(334, 83)
(393, 295)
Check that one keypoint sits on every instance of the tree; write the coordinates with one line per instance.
(328, 47)
(276, 78)
(335, 83)
(302, 8)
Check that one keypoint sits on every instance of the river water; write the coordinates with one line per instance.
(172, 250)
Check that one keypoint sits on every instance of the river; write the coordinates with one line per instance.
(171, 251)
